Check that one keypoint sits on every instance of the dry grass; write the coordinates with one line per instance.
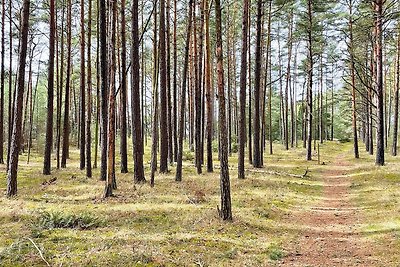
(176, 224)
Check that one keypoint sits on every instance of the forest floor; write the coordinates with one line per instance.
(344, 212)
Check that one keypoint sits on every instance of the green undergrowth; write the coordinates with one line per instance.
(172, 224)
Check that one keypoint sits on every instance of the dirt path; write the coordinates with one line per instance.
(331, 236)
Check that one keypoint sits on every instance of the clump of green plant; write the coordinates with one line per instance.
(276, 253)
(57, 219)
(187, 155)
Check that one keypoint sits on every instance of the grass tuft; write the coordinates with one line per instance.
(58, 219)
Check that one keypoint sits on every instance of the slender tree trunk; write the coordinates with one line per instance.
(124, 103)
(209, 89)
(353, 82)
(89, 95)
(66, 128)
(175, 83)
(250, 134)
(288, 79)
(226, 209)
(31, 113)
(310, 55)
(60, 89)
(380, 144)
(169, 107)
(3, 15)
(137, 136)
(257, 86)
(396, 100)
(50, 93)
(103, 87)
(163, 94)
(110, 182)
(17, 123)
(198, 86)
(154, 134)
(82, 128)
(178, 175)
(243, 79)
(10, 91)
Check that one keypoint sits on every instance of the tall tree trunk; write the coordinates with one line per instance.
(310, 55)
(82, 128)
(137, 137)
(257, 86)
(169, 107)
(103, 87)
(110, 182)
(124, 103)
(178, 175)
(10, 91)
(50, 94)
(3, 15)
(198, 94)
(288, 79)
(209, 89)
(353, 82)
(89, 95)
(250, 133)
(380, 144)
(60, 88)
(243, 80)
(226, 209)
(154, 134)
(175, 85)
(66, 128)
(396, 99)
(17, 123)
(163, 94)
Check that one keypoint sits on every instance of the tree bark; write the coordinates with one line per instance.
(396, 100)
(163, 94)
(178, 175)
(82, 114)
(226, 209)
(103, 88)
(257, 86)
(66, 126)
(89, 95)
(209, 89)
(17, 123)
(310, 55)
(50, 94)
(243, 80)
(123, 144)
(137, 137)
(380, 144)
(353, 82)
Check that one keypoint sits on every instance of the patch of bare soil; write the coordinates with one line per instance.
(329, 234)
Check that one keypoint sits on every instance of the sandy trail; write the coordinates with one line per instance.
(331, 236)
